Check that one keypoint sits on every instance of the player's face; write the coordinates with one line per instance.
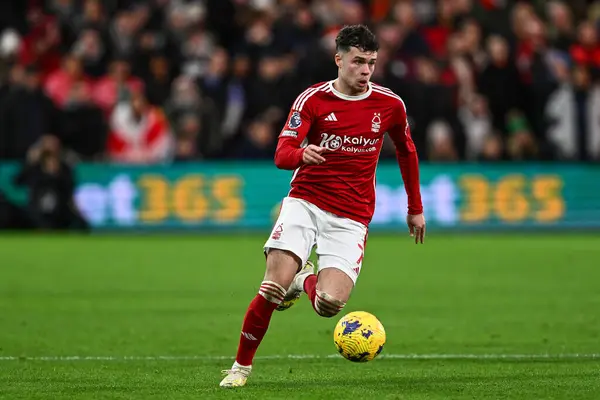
(356, 68)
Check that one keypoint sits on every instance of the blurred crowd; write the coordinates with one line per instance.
(162, 81)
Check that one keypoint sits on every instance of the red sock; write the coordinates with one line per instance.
(310, 288)
(256, 321)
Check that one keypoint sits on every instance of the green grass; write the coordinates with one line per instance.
(185, 296)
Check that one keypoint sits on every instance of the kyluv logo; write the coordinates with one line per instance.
(376, 122)
(331, 142)
(352, 144)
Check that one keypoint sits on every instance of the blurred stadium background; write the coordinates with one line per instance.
(162, 116)
(503, 100)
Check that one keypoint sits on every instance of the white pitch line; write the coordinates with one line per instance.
(492, 357)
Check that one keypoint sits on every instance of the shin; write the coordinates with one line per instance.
(281, 268)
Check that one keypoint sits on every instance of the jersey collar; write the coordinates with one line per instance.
(351, 98)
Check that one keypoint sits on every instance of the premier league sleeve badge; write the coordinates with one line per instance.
(295, 120)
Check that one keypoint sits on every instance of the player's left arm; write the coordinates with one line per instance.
(408, 160)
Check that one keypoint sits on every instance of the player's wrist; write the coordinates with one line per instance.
(299, 156)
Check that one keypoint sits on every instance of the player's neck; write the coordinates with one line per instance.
(339, 85)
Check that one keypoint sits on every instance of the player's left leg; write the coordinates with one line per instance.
(329, 291)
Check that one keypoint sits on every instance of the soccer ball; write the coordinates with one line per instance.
(359, 336)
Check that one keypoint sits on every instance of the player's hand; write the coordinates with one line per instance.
(416, 227)
(312, 155)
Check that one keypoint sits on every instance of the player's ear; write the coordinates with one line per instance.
(338, 60)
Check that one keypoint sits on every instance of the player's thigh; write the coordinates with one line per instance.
(293, 234)
(340, 246)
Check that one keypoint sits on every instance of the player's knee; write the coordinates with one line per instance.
(326, 305)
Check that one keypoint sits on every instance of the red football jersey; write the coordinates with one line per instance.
(352, 129)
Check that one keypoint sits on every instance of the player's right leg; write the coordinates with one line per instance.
(281, 268)
(286, 250)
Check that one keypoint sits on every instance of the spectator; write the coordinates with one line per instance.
(62, 83)
(158, 84)
(117, 86)
(271, 89)
(51, 185)
(476, 118)
(561, 34)
(186, 101)
(586, 51)
(492, 149)
(90, 48)
(122, 33)
(237, 98)
(440, 142)
(574, 112)
(83, 126)
(196, 51)
(412, 44)
(41, 46)
(26, 114)
(189, 134)
(423, 111)
(499, 81)
(258, 141)
(520, 144)
(214, 81)
(245, 61)
(139, 133)
(92, 17)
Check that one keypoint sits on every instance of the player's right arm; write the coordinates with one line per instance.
(290, 154)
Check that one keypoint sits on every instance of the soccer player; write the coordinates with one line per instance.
(332, 140)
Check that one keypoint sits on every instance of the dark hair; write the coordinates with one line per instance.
(358, 36)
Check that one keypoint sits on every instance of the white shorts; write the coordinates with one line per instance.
(301, 225)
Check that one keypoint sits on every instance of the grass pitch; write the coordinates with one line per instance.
(151, 317)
